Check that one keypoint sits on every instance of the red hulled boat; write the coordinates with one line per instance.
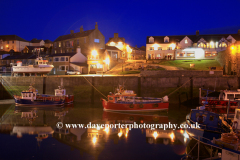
(62, 92)
(126, 100)
(219, 104)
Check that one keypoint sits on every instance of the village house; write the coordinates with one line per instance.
(188, 46)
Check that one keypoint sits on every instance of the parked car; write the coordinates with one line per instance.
(73, 72)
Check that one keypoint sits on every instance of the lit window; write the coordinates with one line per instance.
(112, 44)
(1, 47)
(186, 41)
(59, 44)
(216, 44)
(211, 45)
(151, 48)
(120, 43)
(96, 40)
(159, 48)
(169, 48)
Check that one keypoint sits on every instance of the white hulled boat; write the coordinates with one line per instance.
(41, 67)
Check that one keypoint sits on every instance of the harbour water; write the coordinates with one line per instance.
(32, 133)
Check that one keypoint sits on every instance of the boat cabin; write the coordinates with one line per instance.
(60, 91)
(227, 94)
(121, 96)
(40, 61)
(30, 94)
(236, 121)
(209, 119)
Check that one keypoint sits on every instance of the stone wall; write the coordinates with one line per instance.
(83, 91)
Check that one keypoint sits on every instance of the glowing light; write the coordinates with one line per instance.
(7, 46)
(120, 134)
(172, 136)
(94, 53)
(232, 48)
(94, 140)
(155, 46)
(185, 135)
(173, 45)
(107, 130)
(112, 44)
(181, 131)
(120, 43)
(107, 61)
(155, 135)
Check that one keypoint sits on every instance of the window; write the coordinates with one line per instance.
(166, 39)
(151, 40)
(186, 41)
(216, 44)
(62, 68)
(7, 42)
(67, 59)
(180, 54)
(96, 40)
(1, 47)
(77, 41)
(230, 96)
(12, 42)
(191, 54)
(223, 44)
(56, 59)
(237, 96)
(158, 56)
(71, 43)
(62, 58)
(55, 45)
(151, 48)
(50, 59)
(159, 48)
(169, 48)
(114, 54)
(59, 44)
(84, 39)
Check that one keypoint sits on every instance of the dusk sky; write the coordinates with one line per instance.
(132, 19)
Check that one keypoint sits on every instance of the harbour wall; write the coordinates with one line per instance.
(83, 90)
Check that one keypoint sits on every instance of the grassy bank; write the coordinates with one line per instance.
(185, 64)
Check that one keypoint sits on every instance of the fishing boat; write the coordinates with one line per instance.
(31, 97)
(219, 102)
(206, 124)
(62, 92)
(40, 67)
(126, 100)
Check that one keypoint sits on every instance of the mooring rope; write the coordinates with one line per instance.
(179, 87)
(95, 88)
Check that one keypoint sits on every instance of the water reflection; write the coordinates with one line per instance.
(99, 142)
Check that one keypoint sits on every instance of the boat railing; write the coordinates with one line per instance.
(207, 142)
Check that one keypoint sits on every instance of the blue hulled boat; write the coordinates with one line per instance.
(206, 124)
(31, 97)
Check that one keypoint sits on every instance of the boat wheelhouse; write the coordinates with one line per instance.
(62, 92)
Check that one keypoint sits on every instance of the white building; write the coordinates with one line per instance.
(189, 46)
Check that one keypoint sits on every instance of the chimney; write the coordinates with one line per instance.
(239, 32)
(72, 31)
(96, 26)
(78, 50)
(81, 29)
(115, 35)
(197, 33)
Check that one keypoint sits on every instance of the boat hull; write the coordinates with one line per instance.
(209, 134)
(32, 69)
(21, 102)
(220, 106)
(69, 99)
(130, 107)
